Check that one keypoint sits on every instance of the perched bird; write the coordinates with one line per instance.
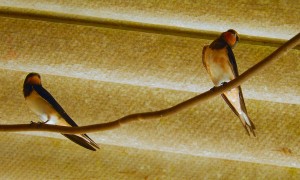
(219, 61)
(41, 102)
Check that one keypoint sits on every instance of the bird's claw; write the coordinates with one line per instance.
(38, 123)
(223, 83)
(32, 122)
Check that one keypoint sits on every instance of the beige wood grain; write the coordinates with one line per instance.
(99, 74)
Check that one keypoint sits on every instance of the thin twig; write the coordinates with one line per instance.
(165, 112)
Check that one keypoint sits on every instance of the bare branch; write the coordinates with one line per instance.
(165, 112)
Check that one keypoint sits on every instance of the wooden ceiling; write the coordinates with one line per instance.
(103, 60)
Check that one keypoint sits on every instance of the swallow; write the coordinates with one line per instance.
(219, 61)
(42, 103)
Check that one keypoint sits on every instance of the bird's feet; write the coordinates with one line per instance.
(32, 122)
(39, 122)
(223, 83)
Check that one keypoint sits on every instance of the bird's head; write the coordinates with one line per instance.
(30, 80)
(33, 79)
(231, 37)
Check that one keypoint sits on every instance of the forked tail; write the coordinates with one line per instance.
(248, 124)
(91, 145)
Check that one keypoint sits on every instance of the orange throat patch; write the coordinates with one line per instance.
(230, 39)
(34, 80)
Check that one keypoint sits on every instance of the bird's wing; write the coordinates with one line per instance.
(229, 104)
(235, 111)
(50, 99)
(243, 106)
(203, 56)
(81, 141)
(232, 61)
(90, 140)
(241, 99)
(85, 140)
